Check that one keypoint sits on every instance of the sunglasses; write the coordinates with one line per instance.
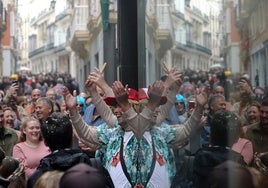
(177, 103)
(79, 105)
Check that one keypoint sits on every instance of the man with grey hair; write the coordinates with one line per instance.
(215, 103)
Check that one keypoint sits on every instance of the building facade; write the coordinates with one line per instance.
(3, 26)
(10, 38)
(72, 37)
(252, 22)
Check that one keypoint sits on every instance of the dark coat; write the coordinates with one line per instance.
(61, 160)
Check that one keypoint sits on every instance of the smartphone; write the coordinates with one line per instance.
(15, 82)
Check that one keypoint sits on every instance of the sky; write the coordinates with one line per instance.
(31, 8)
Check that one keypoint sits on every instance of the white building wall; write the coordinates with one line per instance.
(150, 59)
(8, 63)
(73, 64)
(233, 62)
(96, 52)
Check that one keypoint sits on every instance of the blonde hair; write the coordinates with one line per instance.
(23, 126)
(49, 179)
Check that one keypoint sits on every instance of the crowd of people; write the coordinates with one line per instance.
(184, 130)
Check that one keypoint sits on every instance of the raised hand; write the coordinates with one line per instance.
(243, 84)
(70, 99)
(121, 94)
(155, 93)
(12, 89)
(174, 79)
(97, 78)
(201, 96)
(91, 86)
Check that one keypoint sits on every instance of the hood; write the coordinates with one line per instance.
(180, 98)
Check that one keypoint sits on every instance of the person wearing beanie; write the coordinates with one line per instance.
(83, 176)
(57, 132)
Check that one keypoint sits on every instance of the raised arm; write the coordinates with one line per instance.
(98, 79)
(103, 109)
(192, 124)
(150, 113)
(87, 133)
(12, 89)
(172, 85)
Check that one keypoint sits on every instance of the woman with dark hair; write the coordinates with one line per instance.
(56, 106)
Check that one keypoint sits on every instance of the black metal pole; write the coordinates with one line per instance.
(141, 43)
(109, 37)
(131, 41)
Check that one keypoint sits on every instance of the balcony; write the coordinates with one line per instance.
(242, 18)
(179, 15)
(181, 46)
(164, 30)
(94, 23)
(41, 50)
(79, 33)
(198, 47)
(60, 48)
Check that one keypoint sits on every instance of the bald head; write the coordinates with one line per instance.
(36, 94)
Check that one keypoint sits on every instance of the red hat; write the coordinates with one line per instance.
(111, 101)
(142, 94)
(135, 96)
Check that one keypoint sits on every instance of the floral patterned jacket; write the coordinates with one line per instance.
(149, 159)
(109, 141)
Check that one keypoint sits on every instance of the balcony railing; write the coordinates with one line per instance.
(41, 50)
(80, 19)
(181, 46)
(163, 16)
(179, 15)
(198, 47)
(61, 47)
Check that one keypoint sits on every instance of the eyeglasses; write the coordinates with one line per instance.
(177, 103)
(79, 105)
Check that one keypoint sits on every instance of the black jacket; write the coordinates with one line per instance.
(209, 157)
(63, 160)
